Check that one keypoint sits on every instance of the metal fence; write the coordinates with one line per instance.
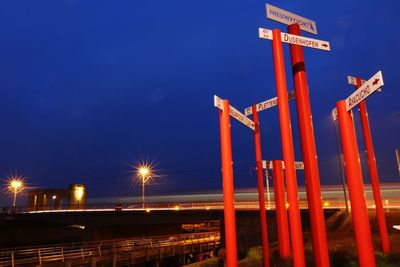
(134, 248)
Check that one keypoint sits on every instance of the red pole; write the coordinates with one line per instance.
(359, 211)
(373, 170)
(288, 151)
(311, 172)
(227, 184)
(280, 209)
(261, 199)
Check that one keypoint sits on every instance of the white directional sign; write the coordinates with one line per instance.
(268, 104)
(334, 114)
(365, 90)
(298, 165)
(353, 80)
(234, 113)
(289, 18)
(396, 227)
(296, 39)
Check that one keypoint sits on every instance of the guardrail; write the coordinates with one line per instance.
(132, 250)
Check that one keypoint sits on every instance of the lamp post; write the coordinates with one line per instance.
(144, 172)
(15, 185)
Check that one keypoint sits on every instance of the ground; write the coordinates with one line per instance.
(342, 246)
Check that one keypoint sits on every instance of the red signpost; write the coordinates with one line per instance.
(373, 170)
(280, 209)
(288, 151)
(356, 187)
(261, 199)
(317, 220)
(227, 184)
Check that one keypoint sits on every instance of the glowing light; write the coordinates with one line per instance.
(207, 208)
(177, 207)
(287, 205)
(148, 210)
(79, 192)
(54, 197)
(15, 185)
(144, 172)
(326, 204)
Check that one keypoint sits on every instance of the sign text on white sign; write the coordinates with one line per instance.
(288, 18)
(296, 39)
(234, 113)
(365, 90)
(268, 104)
(298, 165)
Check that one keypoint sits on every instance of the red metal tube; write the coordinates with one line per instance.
(260, 182)
(280, 209)
(359, 211)
(288, 151)
(227, 184)
(373, 170)
(311, 172)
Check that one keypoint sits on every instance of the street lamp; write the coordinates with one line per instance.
(143, 171)
(15, 185)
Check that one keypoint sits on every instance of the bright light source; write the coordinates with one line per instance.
(144, 173)
(79, 191)
(148, 210)
(54, 197)
(177, 207)
(326, 204)
(15, 185)
(207, 208)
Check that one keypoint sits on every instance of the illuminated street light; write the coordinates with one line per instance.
(15, 185)
(143, 171)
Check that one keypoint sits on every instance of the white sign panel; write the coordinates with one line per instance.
(365, 90)
(289, 18)
(334, 114)
(296, 39)
(268, 104)
(298, 165)
(353, 80)
(396, 227)
(234, 113)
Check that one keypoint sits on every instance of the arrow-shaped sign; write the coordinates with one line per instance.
(268, 104)
(288, 18)
(370, 86)
(234, 113)
(296, 39)
(298, 165)
(353, 81)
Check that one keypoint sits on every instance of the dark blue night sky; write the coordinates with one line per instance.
(88, 88)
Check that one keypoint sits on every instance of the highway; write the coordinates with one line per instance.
(245, 199)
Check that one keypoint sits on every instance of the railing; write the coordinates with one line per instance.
(111, 249)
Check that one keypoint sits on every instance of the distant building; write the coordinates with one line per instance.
(49, 198)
